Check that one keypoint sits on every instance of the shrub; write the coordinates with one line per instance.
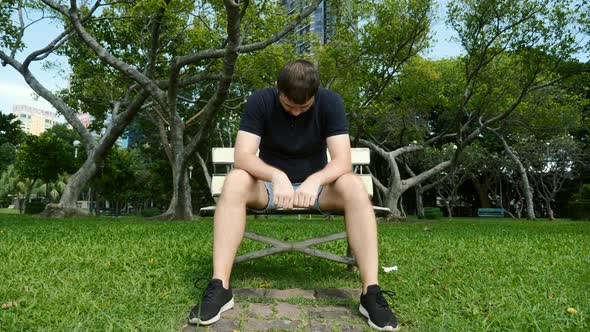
(432, 213)
(35, 207)
(580, 209)
(585, 191)
(150, 212)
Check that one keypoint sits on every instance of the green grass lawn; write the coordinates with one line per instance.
(9, 211)
(130, 274)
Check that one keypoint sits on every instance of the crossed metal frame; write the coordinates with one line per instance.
(298, 246)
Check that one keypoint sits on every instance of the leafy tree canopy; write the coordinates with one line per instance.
(10, 130)
(44, 157)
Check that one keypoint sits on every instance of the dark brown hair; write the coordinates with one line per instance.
(299, 80)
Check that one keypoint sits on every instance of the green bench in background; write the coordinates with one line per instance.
(490, 212)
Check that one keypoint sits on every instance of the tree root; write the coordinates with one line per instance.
(168, 216)
(59, 211)
(395, 218)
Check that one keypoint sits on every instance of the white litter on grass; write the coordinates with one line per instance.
(389, 269)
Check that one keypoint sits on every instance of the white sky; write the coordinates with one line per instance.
(13, 88)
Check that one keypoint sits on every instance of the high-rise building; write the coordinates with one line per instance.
(321, 22)
(33, 120)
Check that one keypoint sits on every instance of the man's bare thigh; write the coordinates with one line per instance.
(258, 197)
(330, 199)
(240, 182)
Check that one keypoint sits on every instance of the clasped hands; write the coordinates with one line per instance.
(284, 196)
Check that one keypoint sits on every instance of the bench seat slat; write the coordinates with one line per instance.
(210, 211)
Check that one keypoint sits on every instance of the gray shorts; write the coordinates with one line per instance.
(270, 205)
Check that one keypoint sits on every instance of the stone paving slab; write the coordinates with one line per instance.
(282, 316)
(282, 294)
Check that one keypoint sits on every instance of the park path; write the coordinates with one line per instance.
(259, 309)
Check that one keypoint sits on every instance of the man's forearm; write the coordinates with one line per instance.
(332, 171)
(254, 166)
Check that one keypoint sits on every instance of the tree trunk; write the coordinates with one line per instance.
(23, 206)
(67, 203)
(528, 192)
(180, 207)
(392, 202)
(550, 213)
(419, 202)
(482, 192)
(449, 209)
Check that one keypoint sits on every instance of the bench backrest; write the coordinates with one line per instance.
(360, 157)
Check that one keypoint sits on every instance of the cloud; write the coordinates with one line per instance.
(13, 90)
(15, 94)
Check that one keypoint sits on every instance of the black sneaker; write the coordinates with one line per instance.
(216, 300)
(375, 307)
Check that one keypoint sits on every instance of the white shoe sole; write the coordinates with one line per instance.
(226, 307)
(365, 313)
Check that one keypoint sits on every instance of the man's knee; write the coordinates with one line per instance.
(237, 185)
(351, 186)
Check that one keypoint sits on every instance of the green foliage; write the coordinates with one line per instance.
(10, 130)
(8, 183)
(10, 37)
(44, 157)
(35, 207)
(361, 61)
(432, 213)
(150, 212)
(579, 209)
(7, 155)
(130, 175)
(488, 27)
(585, 191)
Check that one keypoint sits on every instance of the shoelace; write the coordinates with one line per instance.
(207, 292)
(200, 283)
(382, 300)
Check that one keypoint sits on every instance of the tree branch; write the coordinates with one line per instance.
(218, 53)
(105, 56)
(59, 104)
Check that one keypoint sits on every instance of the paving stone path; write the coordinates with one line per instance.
(274, 314)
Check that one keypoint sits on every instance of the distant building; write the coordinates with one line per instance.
(321, 22)
(33, 120)
(86, 119)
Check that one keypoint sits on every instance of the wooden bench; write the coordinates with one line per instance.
(490, 212)
(224, 157)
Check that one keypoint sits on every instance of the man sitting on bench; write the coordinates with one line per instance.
(291, 125)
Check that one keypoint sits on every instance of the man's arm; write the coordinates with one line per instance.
(245, 158)
(340, 164)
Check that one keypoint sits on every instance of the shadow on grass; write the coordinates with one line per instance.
(292, 270)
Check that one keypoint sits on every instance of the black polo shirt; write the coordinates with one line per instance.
(294, 144)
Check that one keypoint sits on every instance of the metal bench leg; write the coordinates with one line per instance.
(300, 246)
(350, 267)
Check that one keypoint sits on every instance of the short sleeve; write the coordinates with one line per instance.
(252, 119)
(335, 115)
